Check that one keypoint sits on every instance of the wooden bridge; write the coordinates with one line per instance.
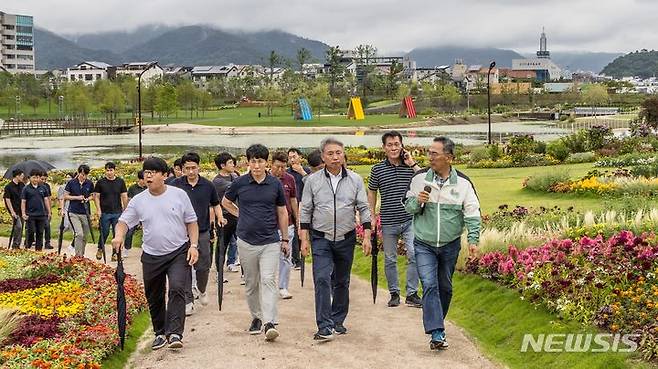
(64, 127)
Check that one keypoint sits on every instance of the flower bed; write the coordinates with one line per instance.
(611, 283)
(67, 310)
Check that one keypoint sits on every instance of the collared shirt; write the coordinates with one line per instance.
(290, 192)
(299, 181)
(440, 181)
(258, 220)
(335, 178)
(392, 182)
(13, 194)
(34, 196)
(75, 188)
(203, 195)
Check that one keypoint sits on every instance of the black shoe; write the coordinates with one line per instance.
(395, 300)
(256, 326)
(175, 342)
(414, 301)
(270, 332)
(49, 247)
(340, 329)
(324, 335)
(159, 342)
(438, 342)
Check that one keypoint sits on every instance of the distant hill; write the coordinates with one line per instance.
(583, 61)
(189, 45)
(639, 63)
(446, 55)
(118, 41)
(56, 52)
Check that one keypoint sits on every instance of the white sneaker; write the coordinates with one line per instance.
(284, 294)
(71, 249)
(233, 268)
(203, 298)
(189, 309)
(195, 292)
(124, 253)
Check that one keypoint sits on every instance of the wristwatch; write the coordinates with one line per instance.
(194, 245)
(284, 240)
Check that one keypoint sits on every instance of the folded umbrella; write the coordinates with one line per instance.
(28, 166)
(60, 237)
(221, 253)
(120, 277)
(373, 267)
(101, 245)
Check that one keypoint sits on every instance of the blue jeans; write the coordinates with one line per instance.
(436, 266)
(107, 220)
(128, 243)
(332, 266)
(232, 256)
(391, 233)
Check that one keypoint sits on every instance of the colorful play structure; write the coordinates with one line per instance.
(355, 110)
(303, 110)
(407, 108)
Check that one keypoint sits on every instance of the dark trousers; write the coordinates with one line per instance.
(295, 242)
(17, 233)
(35, 227)
(201, 268)
(108, 220)
(436, 266)
(229, 231)
(167, 315)
(128, 243)
(46, 233)
(332, 266)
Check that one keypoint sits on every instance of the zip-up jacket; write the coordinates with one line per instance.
(450, 208)
(334, 213)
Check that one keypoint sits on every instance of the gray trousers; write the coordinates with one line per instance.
(260, 264)
(80, 231)
(201, 269)
(285, 263)
(18, 227)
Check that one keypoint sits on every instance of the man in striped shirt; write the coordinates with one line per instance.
(391, 178)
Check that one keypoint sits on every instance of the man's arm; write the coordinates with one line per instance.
(364, 214)
(46, 201)
(230, 207)
(10, 208)
(124, 200)
(23, 212)
(282, 219)
(295, 209)
(68, 196)
(193, 234)
(372, 201)
(97, 202)
(120, 234)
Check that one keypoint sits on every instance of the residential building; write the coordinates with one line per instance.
(477, 77)
(88, 72)
(135, 69)
(17, 43)
(202, 74)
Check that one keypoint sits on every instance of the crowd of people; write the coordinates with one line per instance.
(268, 219)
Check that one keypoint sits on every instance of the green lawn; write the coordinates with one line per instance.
(137, 327)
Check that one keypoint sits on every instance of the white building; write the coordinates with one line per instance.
(204, 73)
(88, 72)
(544, 67)
(16, 43)
(135, 69)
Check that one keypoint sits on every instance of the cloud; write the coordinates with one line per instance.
(604, 25)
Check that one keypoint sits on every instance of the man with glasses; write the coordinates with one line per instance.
(262, 236)
(391, 178)
(203, 196)
(169, 250)
(439, 218)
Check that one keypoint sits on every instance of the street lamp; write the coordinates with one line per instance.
(491, 66)
(139, 104)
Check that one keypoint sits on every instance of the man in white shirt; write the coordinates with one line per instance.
(169, 249)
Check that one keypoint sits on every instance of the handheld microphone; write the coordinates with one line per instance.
(427, 189)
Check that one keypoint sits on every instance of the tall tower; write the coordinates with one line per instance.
(16, 43)
(543, 50)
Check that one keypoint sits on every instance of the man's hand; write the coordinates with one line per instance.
(116, 244)
(299, 169)
(408, 159)
(25, 217)
(285, 248)
(305, 247)
(192, 255)
(62, 212)
(14, 215)
(423, 197)
(472, 251)
(221, 221)
(367, 246)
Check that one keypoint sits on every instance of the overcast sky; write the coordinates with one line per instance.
(390, 25)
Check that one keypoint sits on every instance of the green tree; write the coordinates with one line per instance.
(649, 112)
(450, 95)
(77, 99)
(204, 99)
(336, 70)
(166, 102)
(273, 60)
(393, 78)
(303, 56)
(272, 94)
(319, 97)
(403, 91)
(596, 95)
(187, 95)
(365, 66)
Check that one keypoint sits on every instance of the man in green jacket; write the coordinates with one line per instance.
(442, 201)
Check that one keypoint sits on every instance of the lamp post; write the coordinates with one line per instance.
(139, 105)
(491, 66)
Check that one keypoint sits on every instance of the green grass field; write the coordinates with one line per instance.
(238, 117)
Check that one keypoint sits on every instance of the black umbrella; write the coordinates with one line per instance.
(60, 237)
(120, 277)
(87, 213)
(101, 245)
(27, 166)
(373, 268)
(11, 236)
(302, 263)
(221, 254)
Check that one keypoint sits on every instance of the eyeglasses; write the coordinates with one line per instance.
(149, 173)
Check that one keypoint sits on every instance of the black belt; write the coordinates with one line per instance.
(322, 234)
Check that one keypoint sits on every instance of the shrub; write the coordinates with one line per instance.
(598, 136)
(495, 152)
(479, 154)
(581, 157)
(576, 142)
(543, 182)
(520, 146)
(558, 150)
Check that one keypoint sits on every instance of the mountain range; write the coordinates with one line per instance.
(207, 45)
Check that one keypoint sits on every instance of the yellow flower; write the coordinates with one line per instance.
(62, 299)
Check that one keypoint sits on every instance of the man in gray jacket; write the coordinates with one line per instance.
(328, 220)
